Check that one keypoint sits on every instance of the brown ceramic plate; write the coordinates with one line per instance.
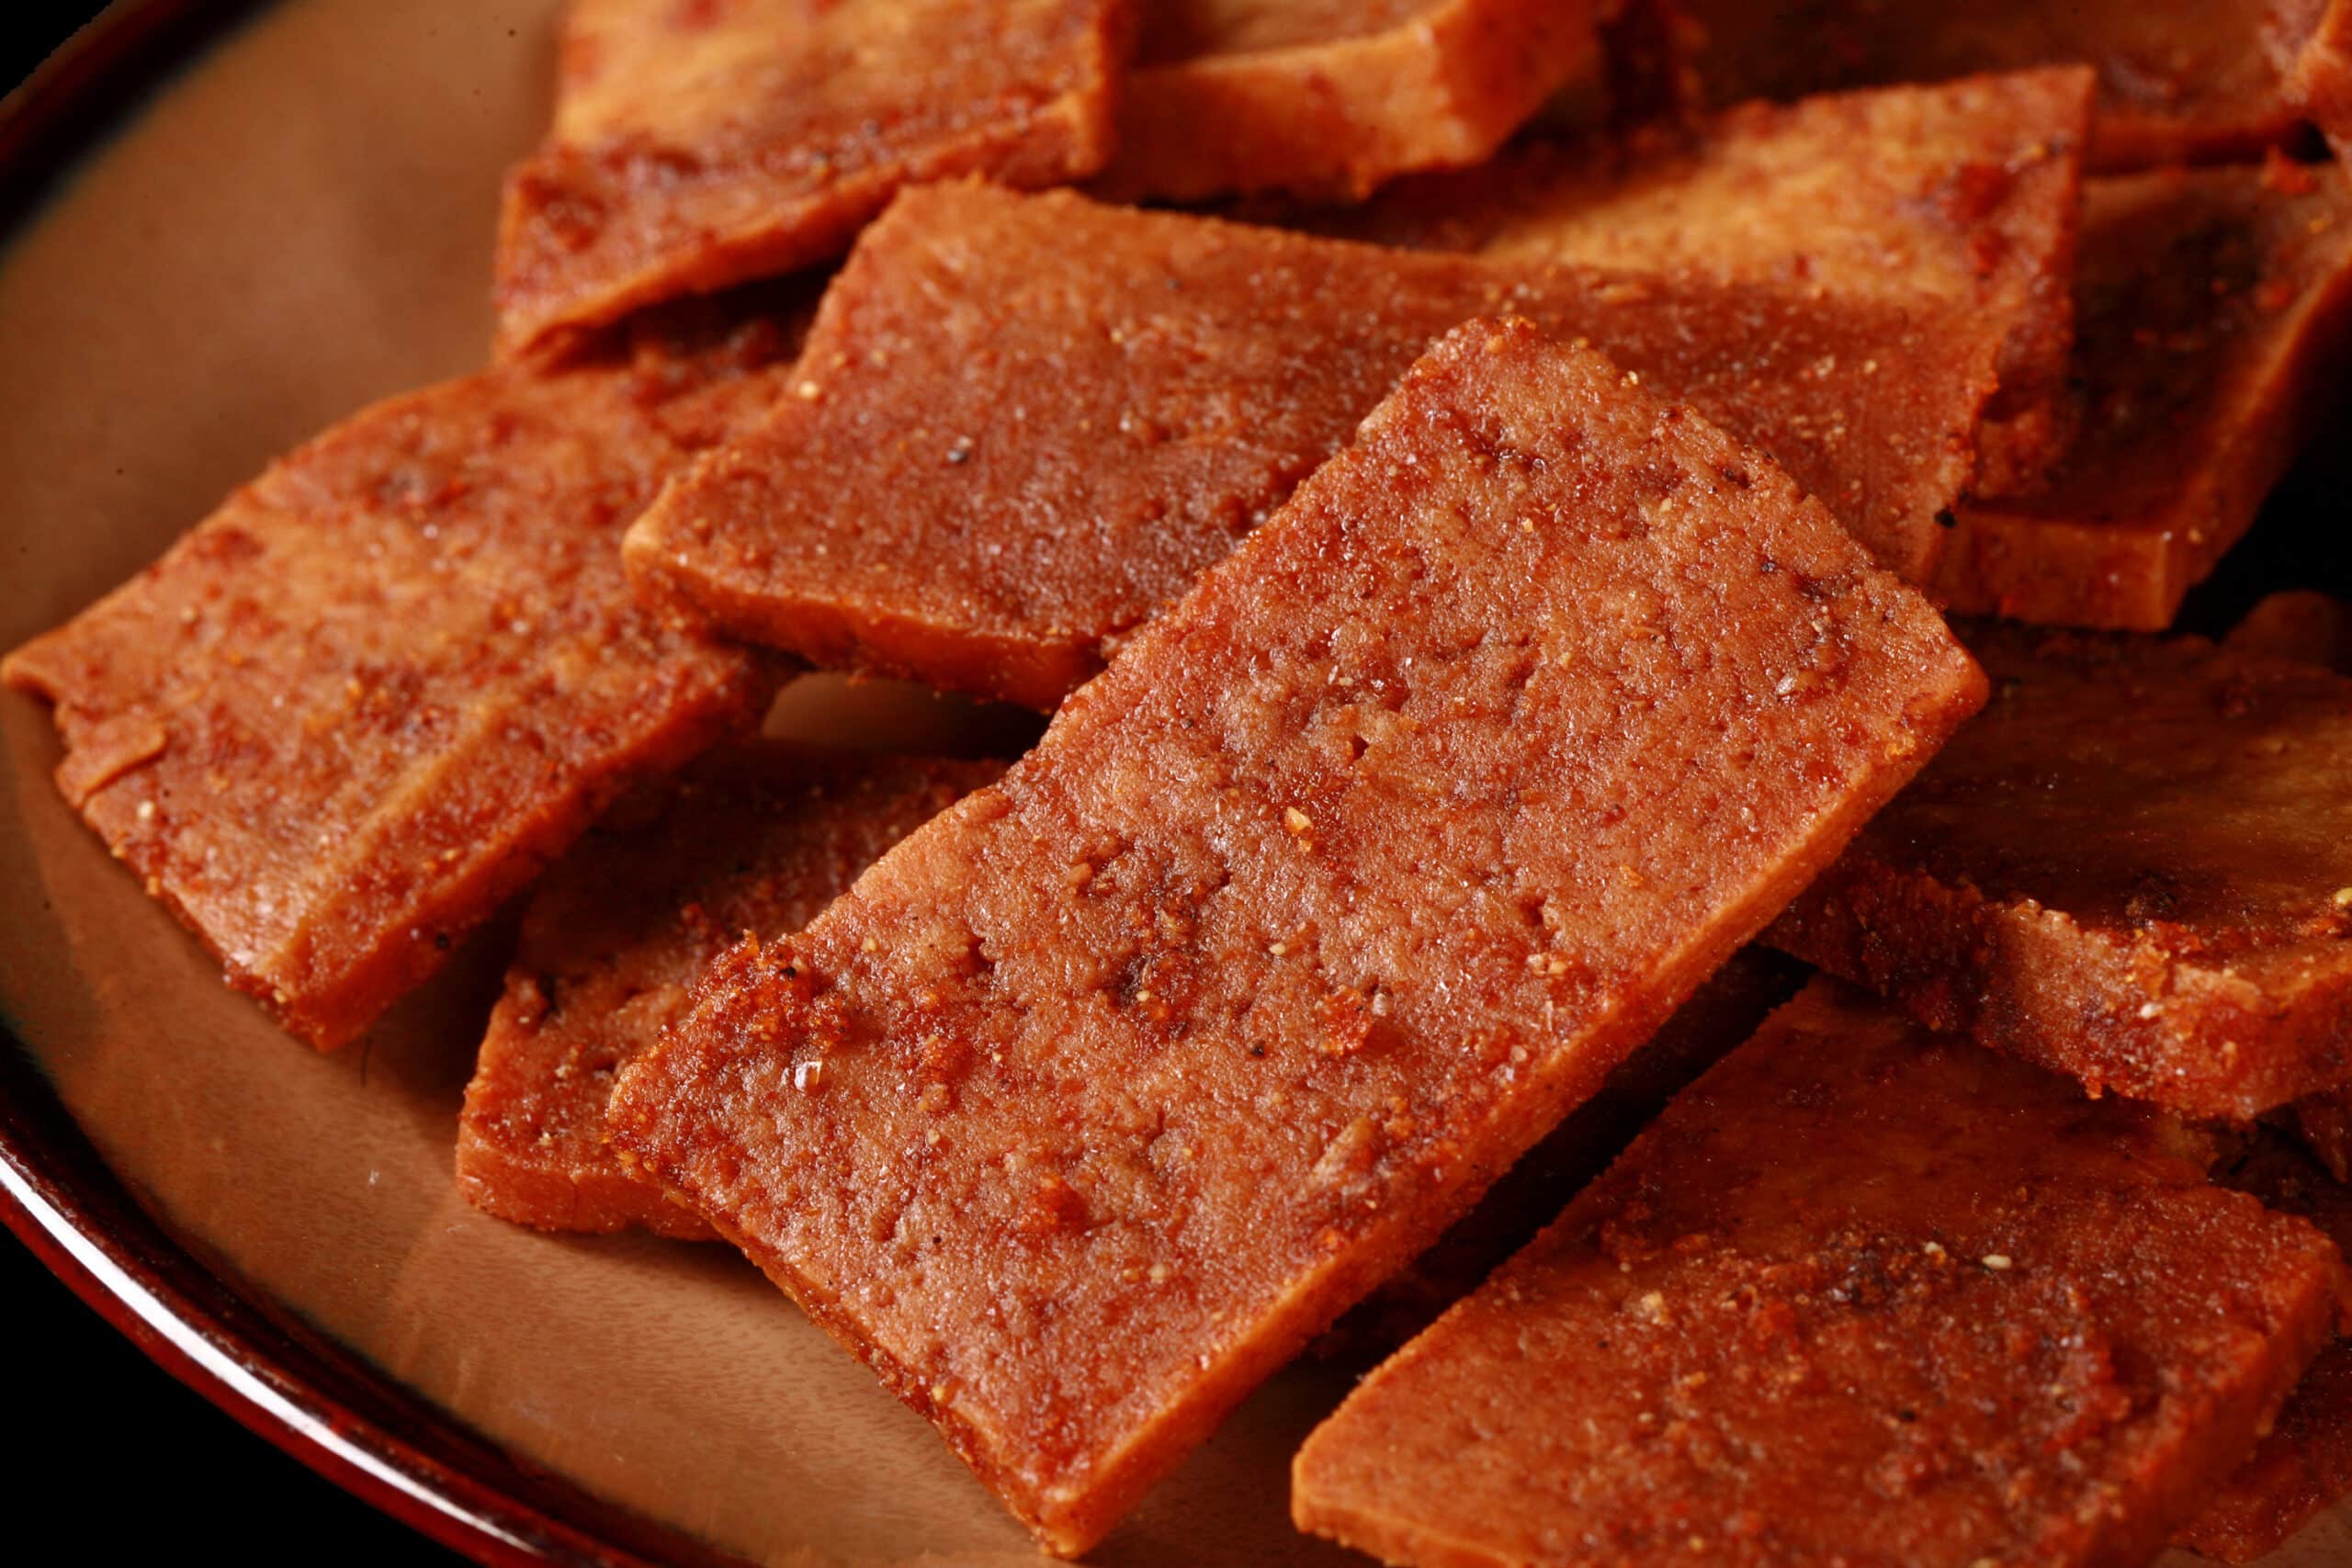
(296, 224)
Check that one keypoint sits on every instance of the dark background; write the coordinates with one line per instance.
(105, 1455)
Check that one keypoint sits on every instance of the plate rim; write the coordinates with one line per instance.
(190, 1315)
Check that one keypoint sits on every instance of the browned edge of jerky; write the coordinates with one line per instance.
(871, 639)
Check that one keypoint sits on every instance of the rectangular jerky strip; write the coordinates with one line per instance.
(2213, 314)
(2180, 81)
(1967, 191)
(758, 837)
(1863, 1294)
(1100, 1096)
(2304, 1465)
(2127, 870)
(1334, 97)
(1024, 424)
(704, 145)
(371, 695)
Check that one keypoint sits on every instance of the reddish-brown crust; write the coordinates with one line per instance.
(2297, 624)
(699, 145)
(1721, 1014)
(754, 839)
(1101, 1095)
(2304, 1465)
(1967, 191)
(2180, 81)
(2214, 314)
(371, 695)
(1862, 1295)
(2136, 868)
(1046, 416)
(1333, 99)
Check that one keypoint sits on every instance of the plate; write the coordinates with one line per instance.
(296, 224)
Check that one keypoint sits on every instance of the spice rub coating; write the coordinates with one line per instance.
(2179, 81)
(370, 696)
(1966, 191)
(1862, 1294)
(2214, 311)
(1333, 97)
(1101, 1095)
(1720, 1015)
(2304, 1464)
(754, 837)
(701, 145)
(1046, 416)
(2136, 868)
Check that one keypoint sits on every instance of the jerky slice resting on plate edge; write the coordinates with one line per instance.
(371, 695)
(695, 147)
(1862, 1294)
(1101, 1095)
(2136, 868)
(1046, 416)
(754, 837)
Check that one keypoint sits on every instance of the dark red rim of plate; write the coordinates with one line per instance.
(279, 1380)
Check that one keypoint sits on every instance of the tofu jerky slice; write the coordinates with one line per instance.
(2304, 1465)
(2129, 870)
(371, 695)
(1333, 97)
(2214, 314)
(757, 837)
(2180, 81)
(1024, 424)
(1100, 1096)
(697, 146)
(1863, 1294)
(1967, 191)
